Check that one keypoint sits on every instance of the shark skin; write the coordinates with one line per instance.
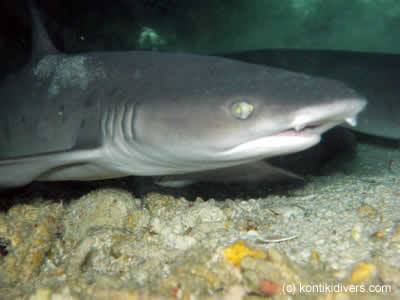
(374, 75)
(105, 115)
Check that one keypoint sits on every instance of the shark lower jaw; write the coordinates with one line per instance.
(271, 146)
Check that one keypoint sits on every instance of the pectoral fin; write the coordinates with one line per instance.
(255, 172)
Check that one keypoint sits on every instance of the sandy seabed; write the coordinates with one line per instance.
(332, 237)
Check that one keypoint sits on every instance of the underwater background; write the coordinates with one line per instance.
(208, 26)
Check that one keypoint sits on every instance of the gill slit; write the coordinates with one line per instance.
(127, 121)
(119, 121)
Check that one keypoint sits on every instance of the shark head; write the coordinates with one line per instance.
(213, 113)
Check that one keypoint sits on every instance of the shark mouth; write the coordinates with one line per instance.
(295, 139)
(315, 127)
(318, 119)
(352, 121)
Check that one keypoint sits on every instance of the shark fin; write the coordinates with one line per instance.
(41, 43)
(255, 172)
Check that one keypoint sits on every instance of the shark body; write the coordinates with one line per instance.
(105, 115)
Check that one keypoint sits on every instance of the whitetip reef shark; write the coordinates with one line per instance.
(104, 115)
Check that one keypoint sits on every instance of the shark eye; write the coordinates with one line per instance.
(242, 110)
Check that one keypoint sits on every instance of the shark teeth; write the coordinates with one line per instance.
(299, 127)
(351, 121)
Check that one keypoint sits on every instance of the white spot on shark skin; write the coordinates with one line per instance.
(67, 71)
(46, 66)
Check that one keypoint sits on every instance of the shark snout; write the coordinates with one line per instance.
(325, 116)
